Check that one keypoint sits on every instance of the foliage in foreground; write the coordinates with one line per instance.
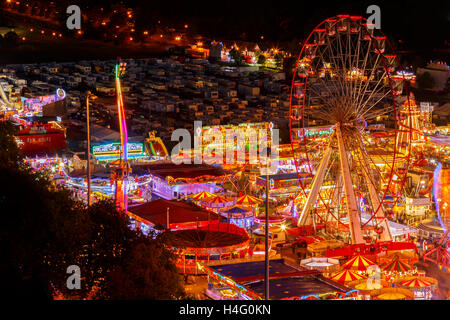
(44, 231)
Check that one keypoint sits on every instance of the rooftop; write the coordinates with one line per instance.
(155, 212)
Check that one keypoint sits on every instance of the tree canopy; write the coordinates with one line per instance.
(44, 230)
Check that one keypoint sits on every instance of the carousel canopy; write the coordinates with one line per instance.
(392, 294)
(359, 263)
(364, 286)
(202, 195)
(217, 199)
(397, 265)
(416, 283)
(236, 210)
(248, 200)
(346, 276)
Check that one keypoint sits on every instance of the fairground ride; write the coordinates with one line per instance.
(120, 174)
(440, 254)
(343, 78)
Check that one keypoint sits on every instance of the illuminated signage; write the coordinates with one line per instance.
(111, 151)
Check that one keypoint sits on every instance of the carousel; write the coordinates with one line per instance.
(422, 287)
(217, 202)
(392, 294)
(358, 263)
(367, 289)
(346, 276)
(209, 244)
(239, 216)
(396, 269)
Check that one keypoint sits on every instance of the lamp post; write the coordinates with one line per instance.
(89, 94)
(266, 245)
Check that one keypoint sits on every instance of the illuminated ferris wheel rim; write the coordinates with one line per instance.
(343, 20)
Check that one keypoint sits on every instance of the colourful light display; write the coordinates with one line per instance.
(35, 105)
(112, 151)
(121, 176)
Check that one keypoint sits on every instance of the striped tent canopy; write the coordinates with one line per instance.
(248, 200)
(217, 199)
(346, 276)
(202, 195)
(359, 263)
(397, 265)
(416, 282)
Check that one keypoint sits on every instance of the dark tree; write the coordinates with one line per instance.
(148, 272)
(261, 59)
(10, 39)
(44, 231)
(237, 56)
(10, 153)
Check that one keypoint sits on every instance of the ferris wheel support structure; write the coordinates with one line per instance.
(318, 180)
(374, 197)
(352, 207)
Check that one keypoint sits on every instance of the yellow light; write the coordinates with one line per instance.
(146, 32)
(185, 26)
(160, 35)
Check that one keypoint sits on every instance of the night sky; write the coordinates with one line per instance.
(419, 24)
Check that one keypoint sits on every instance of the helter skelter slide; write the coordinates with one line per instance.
(343, 78)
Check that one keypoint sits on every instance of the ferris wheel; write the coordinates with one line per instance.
(342, 92)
